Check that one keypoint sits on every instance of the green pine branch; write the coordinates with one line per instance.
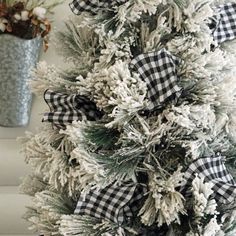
(85, 225)
(122, 165)
(101, 137)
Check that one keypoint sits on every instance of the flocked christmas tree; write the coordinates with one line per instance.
(141, 131)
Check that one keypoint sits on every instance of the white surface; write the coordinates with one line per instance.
(12, 166)
(12, 207)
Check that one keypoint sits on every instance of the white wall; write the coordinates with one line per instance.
(12, 166)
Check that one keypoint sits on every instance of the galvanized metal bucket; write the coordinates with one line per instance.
(17, 58)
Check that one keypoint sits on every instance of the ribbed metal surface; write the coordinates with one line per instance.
(17, 58)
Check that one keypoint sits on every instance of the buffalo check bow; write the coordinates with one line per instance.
(213, 170)
(224, 24)
(116, 203)
(92, 6)
(65, 108)
(159, 70)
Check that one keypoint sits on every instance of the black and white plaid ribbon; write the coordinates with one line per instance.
(79, 6)
(159, 70)
(65, 109)
(213, 170)
(117, 203)
(224, 24)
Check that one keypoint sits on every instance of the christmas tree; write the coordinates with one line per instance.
(140, 137)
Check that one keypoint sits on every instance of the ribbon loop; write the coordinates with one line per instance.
(92, 6)
(65, 109)
(159, 70)
(212, 169)
(116, 203)
(225, 26)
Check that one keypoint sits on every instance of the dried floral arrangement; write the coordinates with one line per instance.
(26, 19)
